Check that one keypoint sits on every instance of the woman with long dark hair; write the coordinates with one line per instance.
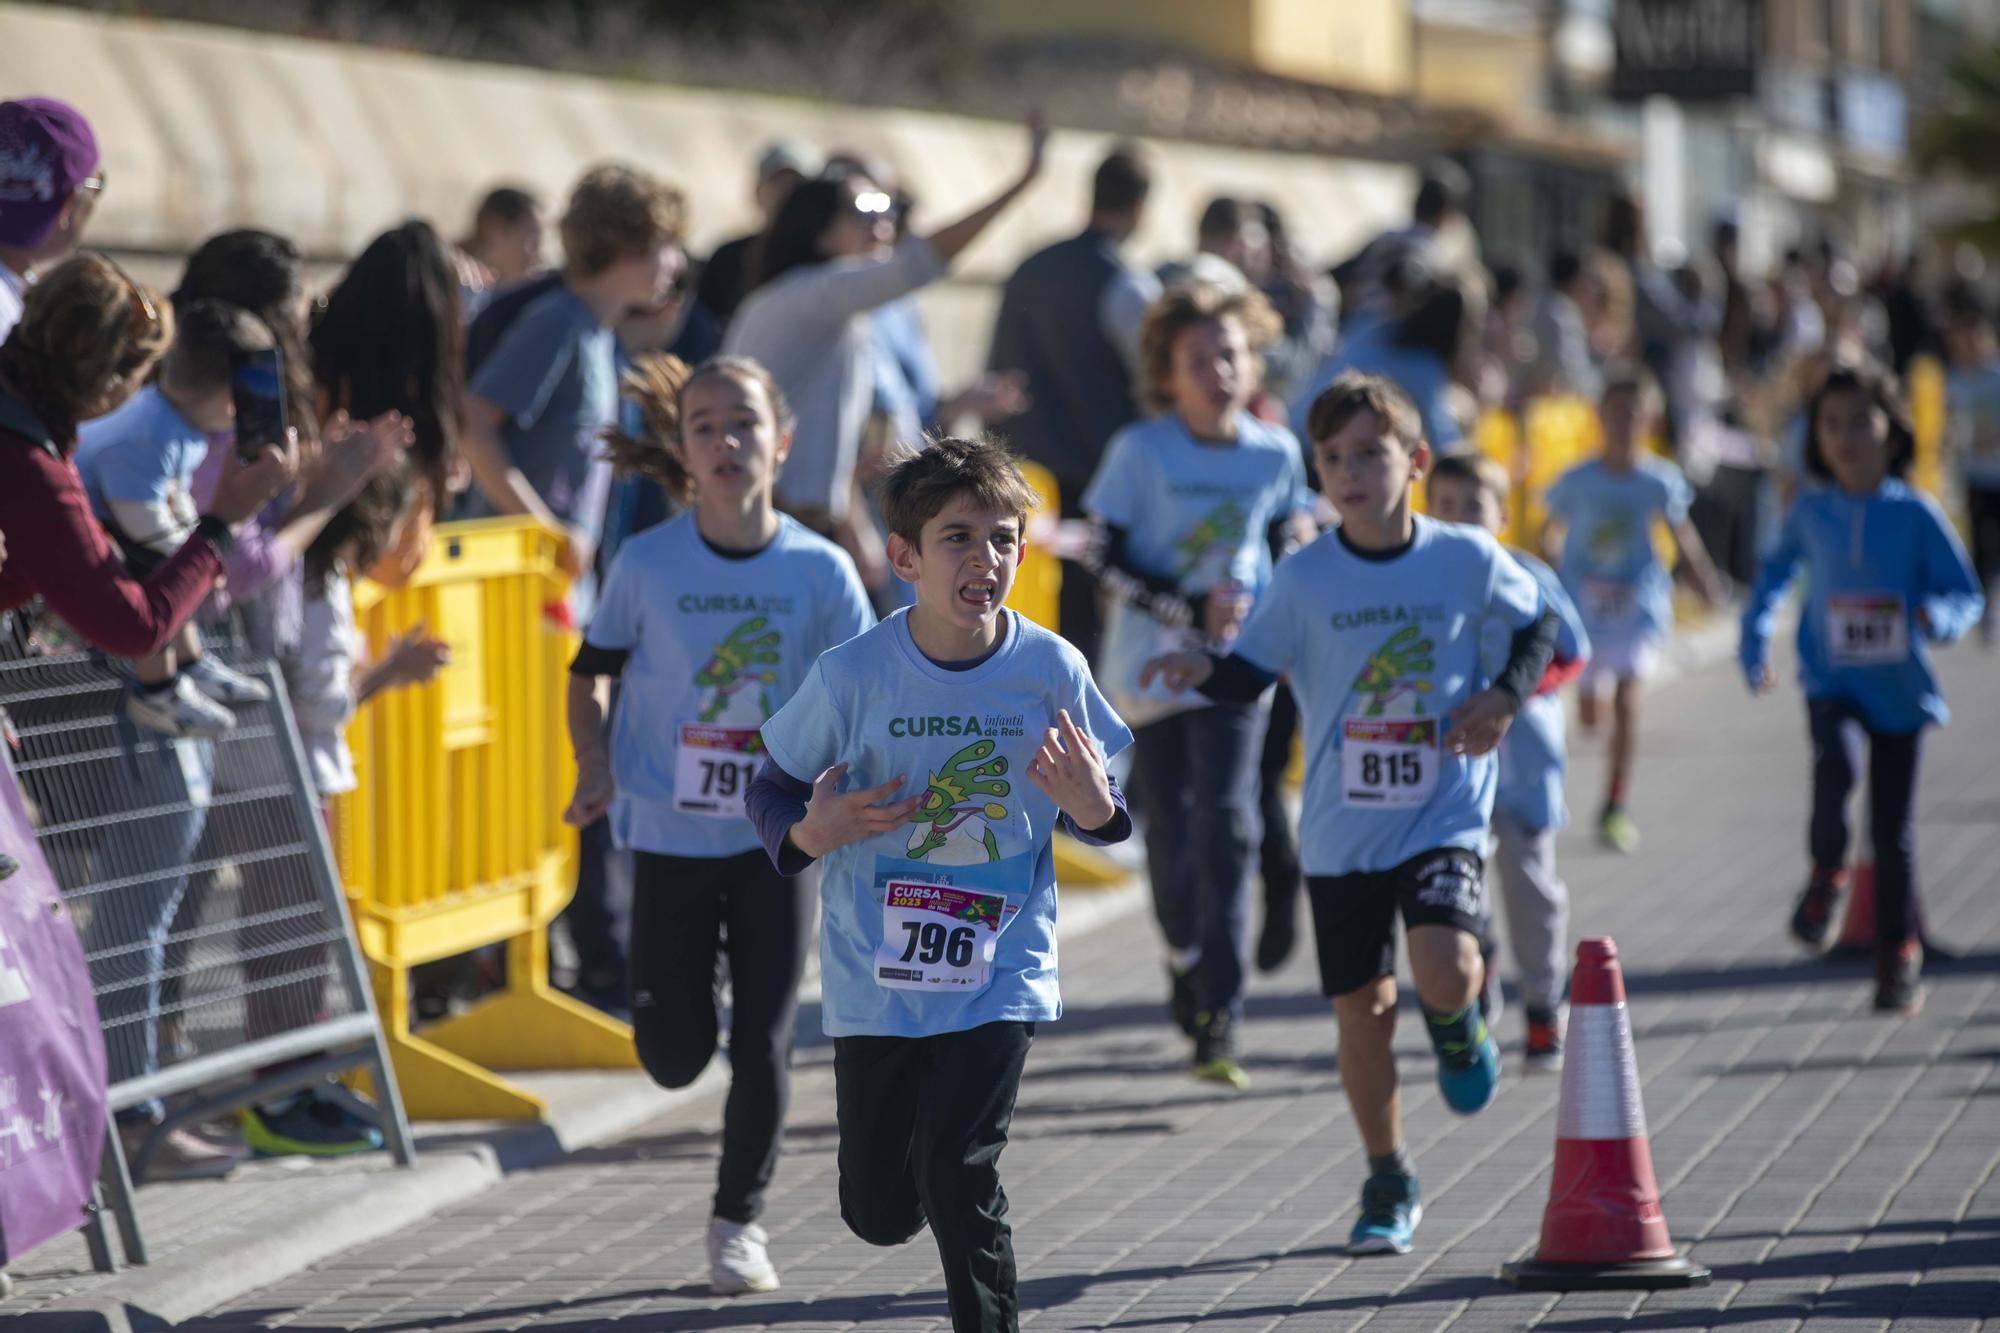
(392, 339)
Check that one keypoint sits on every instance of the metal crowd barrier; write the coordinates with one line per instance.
(454, 839)
(199, 879)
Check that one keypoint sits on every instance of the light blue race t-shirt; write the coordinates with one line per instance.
(1533, 754)
(144, 452)
(1195, 513)
(717, 646)
(1972, 413)
(949, 921)
(1379, 653)
(1609, 565)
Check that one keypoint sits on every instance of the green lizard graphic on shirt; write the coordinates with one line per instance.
(951, 827)
(740, 662)
(1206, 550)
(1394, 670)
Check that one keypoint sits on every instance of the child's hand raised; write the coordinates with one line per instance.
(415, 658)
(1068, 772)
(1478, 724)
(1177, 671)
(836, 819)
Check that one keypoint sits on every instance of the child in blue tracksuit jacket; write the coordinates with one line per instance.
(1885, 573)
(1528, 805)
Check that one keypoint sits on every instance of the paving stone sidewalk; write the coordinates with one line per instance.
(1836, 1169)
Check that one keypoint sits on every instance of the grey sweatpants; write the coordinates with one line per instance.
(1537, 905)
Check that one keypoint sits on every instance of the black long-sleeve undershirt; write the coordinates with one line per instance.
(1239, 680)
(1109, 558)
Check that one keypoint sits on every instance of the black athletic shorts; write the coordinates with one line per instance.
(1354, 916)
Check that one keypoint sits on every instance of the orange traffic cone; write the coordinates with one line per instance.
(1602, 1230)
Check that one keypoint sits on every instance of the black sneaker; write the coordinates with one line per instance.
(1215, 1052)
(1544, 1050)
(1813, 916)
(1181, 999)
(1898, 974)
(307, 1124)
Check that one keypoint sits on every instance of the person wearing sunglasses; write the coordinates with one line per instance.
(49, 183)
(830, 258)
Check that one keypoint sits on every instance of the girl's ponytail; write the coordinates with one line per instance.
(654, 385)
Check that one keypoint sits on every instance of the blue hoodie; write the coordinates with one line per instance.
(1874, 562)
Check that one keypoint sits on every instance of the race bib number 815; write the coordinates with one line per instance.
(1388, 761)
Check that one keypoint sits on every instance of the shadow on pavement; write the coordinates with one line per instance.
(1798, 972)
(1966, 1300)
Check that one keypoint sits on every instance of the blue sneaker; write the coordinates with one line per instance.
(1468, 1078)
(1390, 1212)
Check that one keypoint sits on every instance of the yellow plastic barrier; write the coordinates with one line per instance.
(454, 838)
(1927, 419)
(1038, 582)
(1038, 596)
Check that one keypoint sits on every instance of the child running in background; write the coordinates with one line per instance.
(711, 621)
(1528, 806)
(1193, 506)
(1378, 625)
(938, 899)
(1972, 407)
(138, 464)
(1884, 575)
(1600, 535)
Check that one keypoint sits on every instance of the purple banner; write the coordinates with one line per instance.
(51, 1053)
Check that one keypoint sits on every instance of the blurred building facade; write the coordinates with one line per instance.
(1790, 117)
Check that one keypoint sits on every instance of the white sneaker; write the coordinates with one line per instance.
(182, 1153)
(737, 1260)
(180, 711)
(224, 684)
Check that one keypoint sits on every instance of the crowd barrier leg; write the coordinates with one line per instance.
(97, 1236)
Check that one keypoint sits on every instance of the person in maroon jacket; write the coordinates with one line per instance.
(88, 336)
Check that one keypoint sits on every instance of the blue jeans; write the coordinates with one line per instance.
(127, 937)
(1196, 775)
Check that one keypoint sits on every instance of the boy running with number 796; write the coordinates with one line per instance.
(926, 763)
(1378, 626)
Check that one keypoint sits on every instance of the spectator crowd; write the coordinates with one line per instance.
(144, 508)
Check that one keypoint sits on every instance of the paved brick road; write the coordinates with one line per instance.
(1835, 1169)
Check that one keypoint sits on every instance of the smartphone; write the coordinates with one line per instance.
(258, 386)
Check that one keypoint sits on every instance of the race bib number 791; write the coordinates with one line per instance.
(713, 769)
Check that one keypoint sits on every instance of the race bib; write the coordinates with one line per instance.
(1867, 629)
(713, 767)
(937, 937)
(1388, 761)
(1608, 601)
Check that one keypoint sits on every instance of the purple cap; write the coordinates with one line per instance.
(46, 151)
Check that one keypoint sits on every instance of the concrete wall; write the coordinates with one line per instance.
(205, 128)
